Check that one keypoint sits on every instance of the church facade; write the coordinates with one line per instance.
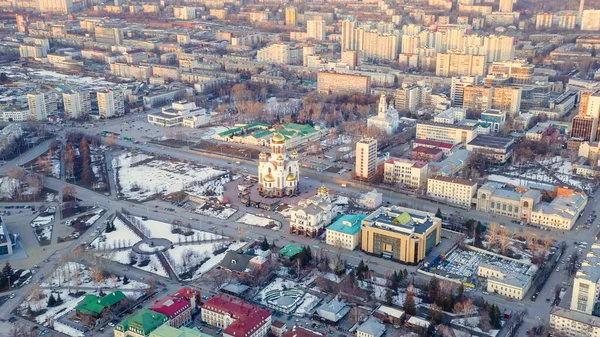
(278, 173)
(387, 118)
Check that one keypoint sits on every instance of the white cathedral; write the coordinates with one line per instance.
(278, 174)
(387, 118)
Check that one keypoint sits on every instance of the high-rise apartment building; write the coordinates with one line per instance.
(315, 29)
(22, 23)
(280, 53)
(291, 16)
(111, 103)
(455, 64)
(585, 124)
(349, 34)
(457, 88)
(54, 6)
(590, 20)
(507, 99)
(366, 158)
(350, 57)
(109, 35)
(377, 46)
(477, 97)
(518, 71)
(506, 6)
(498, 48)
(544, 20)
(408, 97)
(41, 105)
(77, 104)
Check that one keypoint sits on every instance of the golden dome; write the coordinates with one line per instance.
(291, 177)
(278, 138)
(323, 190)
(294, 153)
(262, 155)
(269, 178)
(280, 157)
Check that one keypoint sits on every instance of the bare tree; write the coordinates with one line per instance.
(505, 240)
(70, 192)
(151, 281)
(17, 173)
(493, 230)
(97, 275)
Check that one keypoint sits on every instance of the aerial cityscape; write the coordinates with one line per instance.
(299, 168)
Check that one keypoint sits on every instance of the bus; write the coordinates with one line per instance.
(104, 133)
(127, 138)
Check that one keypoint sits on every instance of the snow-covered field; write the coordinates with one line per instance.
(141, 177)
(183, 258)
(122, 257)
(42, 221)
(158, 229)
(74, 276)
(122, 236)
(213, 131)
(259, 221)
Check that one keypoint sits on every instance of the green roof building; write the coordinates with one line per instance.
(290, 251)
(140, 324)
(345, 231)
(94, 305)
(166, 330)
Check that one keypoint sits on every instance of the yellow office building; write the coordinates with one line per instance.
(400, 234)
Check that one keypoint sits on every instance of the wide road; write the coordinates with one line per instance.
(538, 311)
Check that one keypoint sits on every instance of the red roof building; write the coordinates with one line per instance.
(298, 331)
(192, 295)
(238, 318)
(446, 147)
(178, 309)
(428, 154)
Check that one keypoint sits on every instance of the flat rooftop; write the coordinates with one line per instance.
(491, 141)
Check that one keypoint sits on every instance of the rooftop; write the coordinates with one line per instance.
(455, 180)
(144, 319)
(170, 306)
(291, 250)
(248, 317)
(433, 143)
(576, 316)
(400, 220)
(347, 224)
(492, 141)
(372, 328)
(94, 305)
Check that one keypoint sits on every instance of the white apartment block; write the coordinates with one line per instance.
(32, 51)
(405, 172)
(184, 13)
(366, 158)
(590, 20)
(280, 53)
(41, 105)
(77, 104)
(111, 103)
(54, 6)
(315, 29)
(458, 64)
(452, 190)
(451, 116)
(446, 133)
(573, 323)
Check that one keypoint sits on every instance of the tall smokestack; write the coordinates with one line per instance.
(581, 5)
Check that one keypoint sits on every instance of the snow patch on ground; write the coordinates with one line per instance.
(259, 221)
(42, 221)
(122, 236)
(215, 260)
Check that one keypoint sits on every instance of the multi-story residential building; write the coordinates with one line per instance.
(451, 116)
(504, 282)
(280, 53)
(401, 234)
(516, 203)
(506, 5)
(140, 324)
(387, 118)
(111, 103)
(477, 97)
(566, 20)
(457, 88)
(498, 48)
(336, 83)
(345, 231)
(237, 317)
(312, 215)
(350, 40)
(32, 51)
(108, 34)
(518, 71)
(291, 16)
(379, 46)
(350, 57)
(184, 13)
(446, 133)
(366, 158)
(54, 6)
(496, 149)
(507, 99)
(585, 124)
(580, 319)
(406, 172)
(77, 104)
(544, 21)
(42, 105)
(452, 190)
(590, 20)
(459, 64)
(140, 72)
(135, 56)
(315, 29)
(426, 154)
